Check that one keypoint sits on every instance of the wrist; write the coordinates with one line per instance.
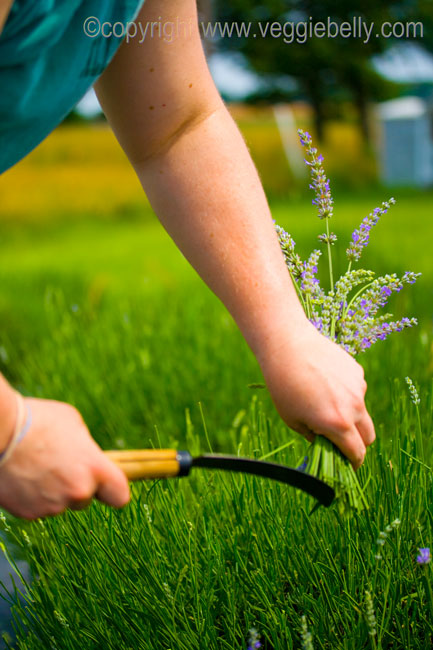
(283, 338)
(8, 413)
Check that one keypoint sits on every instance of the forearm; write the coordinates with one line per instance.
(7, 411)
(207, 193)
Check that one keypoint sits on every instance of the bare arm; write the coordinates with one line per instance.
(197, 172)
(5, 6)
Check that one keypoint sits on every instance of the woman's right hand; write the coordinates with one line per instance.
(58, 465)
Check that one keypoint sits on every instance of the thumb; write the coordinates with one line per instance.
(113, 486)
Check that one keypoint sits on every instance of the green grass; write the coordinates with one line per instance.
(109, 316)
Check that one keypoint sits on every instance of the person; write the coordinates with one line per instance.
(159, 98)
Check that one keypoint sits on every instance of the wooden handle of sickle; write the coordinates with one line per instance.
(140, 464)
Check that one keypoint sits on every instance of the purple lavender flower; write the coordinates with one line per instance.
(316, 320)
(303, 466)
(287, 245)
(347, 314)
(410, 277)
(254, 639)
(361, 236)
(424, 556)
(325, 239)
(309, 283)
(319, 182)
(305, 137)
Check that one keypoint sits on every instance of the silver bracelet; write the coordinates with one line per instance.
(22, 425)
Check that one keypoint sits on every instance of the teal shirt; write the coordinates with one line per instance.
(47, 64)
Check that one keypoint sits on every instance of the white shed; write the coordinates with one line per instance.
(406, 148)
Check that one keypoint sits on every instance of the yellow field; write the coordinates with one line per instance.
(81, 171)
(78, 170)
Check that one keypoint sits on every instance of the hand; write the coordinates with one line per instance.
(58, 465)
(318, 388)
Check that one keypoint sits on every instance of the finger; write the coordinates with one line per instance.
(365, 427)
(113, 486)
(350, 444)
(304, 431)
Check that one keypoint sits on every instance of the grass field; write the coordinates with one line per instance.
(101, 310)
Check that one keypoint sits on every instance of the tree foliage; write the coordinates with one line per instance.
(325, 69)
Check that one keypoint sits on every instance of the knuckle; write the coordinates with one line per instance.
(79, 494)
(358, 405)
(340, 423)
(54, 508)
(79, 490)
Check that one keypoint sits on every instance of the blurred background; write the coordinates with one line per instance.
(67, 207)
(354, 97)
(87, 272)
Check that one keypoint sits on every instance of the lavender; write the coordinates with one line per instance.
(348, 313)
(327, 239)
(369, 614)
(319, 183)
(322, 191)
(306, 636)
(383, 536)
(415, 399)
(424, 556)
(293, 261)
(413, 391)
(303, 466)
(309, 282)
(361, 236)
(254, 639)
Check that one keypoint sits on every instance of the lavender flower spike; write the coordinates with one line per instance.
(410, 277)
(306, 636)
(254, 639)
(319, 182)
(361, 236)
(424, 556)
(309, 283)
(287, 245)
(328, 239)
(413, 392)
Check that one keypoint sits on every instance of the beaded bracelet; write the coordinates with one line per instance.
(22, 425)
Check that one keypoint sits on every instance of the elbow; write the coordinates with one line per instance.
(161, 142)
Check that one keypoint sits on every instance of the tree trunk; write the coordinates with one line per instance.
(316, 97)
(361, 103)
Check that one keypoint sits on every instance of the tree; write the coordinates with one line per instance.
(323, 67)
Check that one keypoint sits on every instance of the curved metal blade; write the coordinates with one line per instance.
(295, 477)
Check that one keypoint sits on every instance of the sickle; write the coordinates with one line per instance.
(140, 464)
